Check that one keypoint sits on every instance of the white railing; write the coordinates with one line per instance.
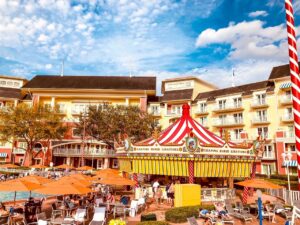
(257, 102)
(217, 194)
(286, 195)
(18, 151)
(227, 106)
(87, 152)
(269, 156)
(201, 110)
(287, 117)
(228, 121)
(204, 124)
(263, 119)
(286, 99)
(155, 113)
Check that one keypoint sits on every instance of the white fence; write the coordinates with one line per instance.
(216, 194)
(285, 195)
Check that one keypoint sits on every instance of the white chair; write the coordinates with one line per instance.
(141, 203)
(98, 201)
(99, 217)
(80, 215)
(133, 208)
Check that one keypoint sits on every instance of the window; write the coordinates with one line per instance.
(262, 115)
(263, 131)
(203, 121)
(76, 132)
(47, 106)
(2, 159)
(222, 119)
(2, 82)
(37, 161)
(222, 104)
(291, 148)
(261, 99)
(21, 160)
(9, 83)
(237, 134)
(154, 109)
(269, 152)
(268, 169)
(61, 107)
(237, 102)
(79, 108)
(176, 109)
(238, 118)
(16, 84)
(289, 113)
(202, 107)
(115, 163)
(288, 94)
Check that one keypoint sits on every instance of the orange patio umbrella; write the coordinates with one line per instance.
(9, 166)
(84, 168)
(35, 179)
(64, 166)
(69, 180)
(117, 181)
(18, 185)
(39, 166)
(63, 189)
(258, 183)
(80, 176)
(106, 176)
(107, 171)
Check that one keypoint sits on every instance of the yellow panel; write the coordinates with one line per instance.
(176, 167)
(187, 195)
(146, 165)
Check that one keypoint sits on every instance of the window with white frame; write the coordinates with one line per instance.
(291, 148)
(115, 163)
(202, 107)
(261, 115)
(222, 119)
(238, 117)
(237, 134)
(176, 109)
(78, 108)
(154, 109)
(261, 99)
(222, 104)
(76, 132)
(237, 102)
(288, 94)
(289, 113)
(61, 107)
(47, 106)
(203, 121)
(268, 169)
(290, 132)
(269, 152)
(263, 131)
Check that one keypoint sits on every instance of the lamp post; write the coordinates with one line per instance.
(287, 158)
(259, 202)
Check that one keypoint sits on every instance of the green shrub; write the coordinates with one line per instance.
(180, 214)
(148, 217)
(153, 223)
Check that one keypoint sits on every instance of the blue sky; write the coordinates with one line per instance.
(165, 38)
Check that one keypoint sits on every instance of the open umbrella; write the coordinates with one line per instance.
(64, 166)
(68, 180)
(107, 171)
(106, 176)
(35, 179)
(39, 166)
(80, 176)
(18, 185)
(117, 181)
(84, 168)
(258, 183)
(9, 166)
(64, 189)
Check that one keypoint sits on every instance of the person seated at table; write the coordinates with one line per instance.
(110, 198)
(3, 211)
(220, 207)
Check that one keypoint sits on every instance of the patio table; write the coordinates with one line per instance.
(57, 221)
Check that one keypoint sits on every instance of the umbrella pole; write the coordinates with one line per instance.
(29, 194)
(15, 198)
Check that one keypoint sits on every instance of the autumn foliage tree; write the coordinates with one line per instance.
(108, 123)
(31, 125)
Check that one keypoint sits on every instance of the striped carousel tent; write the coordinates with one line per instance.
(183, 127)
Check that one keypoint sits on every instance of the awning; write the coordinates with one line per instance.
(3, 154)
(222, 169)
(292, 163)
(286, 85)
(125, 165)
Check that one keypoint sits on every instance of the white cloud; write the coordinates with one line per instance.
(48, 66)
(258, 13)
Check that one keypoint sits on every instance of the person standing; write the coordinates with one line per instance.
(171, 192)
(155, 186)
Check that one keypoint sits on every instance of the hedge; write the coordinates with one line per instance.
(148, 217)
(153, 223)
(180, 214)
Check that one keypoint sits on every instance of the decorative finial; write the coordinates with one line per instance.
(185, 110)
(155, 134)
(227, 136)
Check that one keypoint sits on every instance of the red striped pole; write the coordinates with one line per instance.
(246, 189)
(294, 72)
(191, 171)
(135, 178)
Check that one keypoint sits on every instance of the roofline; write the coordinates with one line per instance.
(13, 77)
(112, 76)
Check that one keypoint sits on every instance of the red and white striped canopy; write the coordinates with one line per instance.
(182, 128)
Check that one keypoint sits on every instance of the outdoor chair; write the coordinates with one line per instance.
(98, 201)
(4, 220)
(42, 216)
(39, 222)
(56, 212)
(240, 208)
(80, 216)
(287, 213)
(246, 217)
(133, 209)
(99, 217)
(119, 210)
(141, 204)
(268, 214)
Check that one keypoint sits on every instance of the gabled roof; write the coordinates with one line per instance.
(92, 82)
(280, 71)
(243, 89)
(177, 95)
(10, 93)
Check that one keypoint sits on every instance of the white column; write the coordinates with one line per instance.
(68, 162)
(166, 108)
(126, 101)
(15, 103)
(52, 102)
(106, 163)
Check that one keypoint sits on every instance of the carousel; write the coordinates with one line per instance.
(187, 149)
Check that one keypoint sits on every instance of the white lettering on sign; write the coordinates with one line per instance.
(179, 85)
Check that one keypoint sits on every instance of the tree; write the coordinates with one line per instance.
(31, 125)
(108, 122)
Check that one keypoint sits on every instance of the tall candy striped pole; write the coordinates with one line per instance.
(191, 171)
(246, 189)
(294, 71)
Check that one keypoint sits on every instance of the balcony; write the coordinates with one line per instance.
(228, 122)
(155, 113)
(228, 107)
(204, 124)
(260, 121)
(67, 152)
(269, 155)
(18, 151)
(201, 111)
(287, 118)
(173, 114)
(286, 100)
(256, 104)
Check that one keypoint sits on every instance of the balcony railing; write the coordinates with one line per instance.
(201, 111)
(175, 114)
(287, 118)
(18, 151)
(227, 106)
(204, 123)
(269, 155)
(260, 120)
(155, 113)
(286, 99)
(259, 103)
(87, 152)
(228, 122)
